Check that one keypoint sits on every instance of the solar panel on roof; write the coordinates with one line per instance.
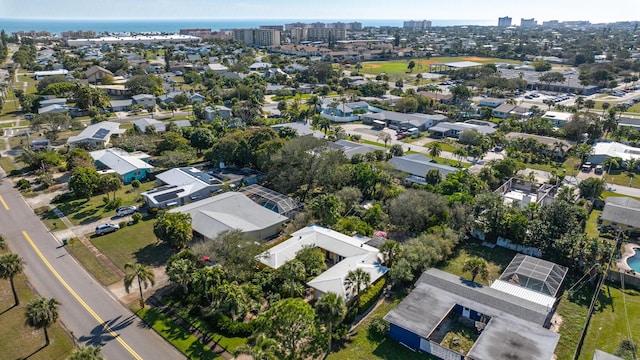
(168, 196)
(101, 133)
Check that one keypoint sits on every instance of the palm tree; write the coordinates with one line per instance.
(611, 162)
(339, 133)
(10, 266)
(434, 149)
(460, 153)
(589, 104)
(632, 164)
(476, 266)
(605, 107)
(292, 272)
(389, 250)
(263, 348)
(357, 280)
(385, 137)
(331, 309)
(325, 125)
(313, 103)
(583, 150)
(144, 275)
(87, 353)
(579, 102)
(181, 272)
(41, 313)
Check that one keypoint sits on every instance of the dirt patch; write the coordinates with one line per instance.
(556, 322)
(371, 66)
(474, 58)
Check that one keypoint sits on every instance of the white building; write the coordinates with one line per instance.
(603, 150)
(181, 186)
(558, 118)
(97, 135)
(137, 39)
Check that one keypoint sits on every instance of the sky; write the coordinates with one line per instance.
(607, 11)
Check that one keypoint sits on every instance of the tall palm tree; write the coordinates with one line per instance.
(389, 250)
(87, 353)
(331, 309)
(41, 313)
(605, 107)
(583, 151)
(313, 103)
(632, 164)
(609, 163)
(292, 272)
(10, 266)
(434, 149)
(263, 348)
(143, 274)
(357, 280)
(385, 137)
(476, 266)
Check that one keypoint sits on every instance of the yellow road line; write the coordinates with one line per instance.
(79, 299)
(6, 207)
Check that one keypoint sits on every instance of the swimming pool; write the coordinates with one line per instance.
(634, 261)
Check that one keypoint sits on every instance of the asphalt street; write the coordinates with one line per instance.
(87, 308)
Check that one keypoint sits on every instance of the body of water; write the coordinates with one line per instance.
(173, 26)
(634, 261)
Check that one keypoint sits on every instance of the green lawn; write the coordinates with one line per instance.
(83, 211)
(399, 67)
(50, 219)
(19, 341)
(90, 262)
(360, 347)
(609, 323)
(175, 334)
(573, 309)
(592, 224)
(570, 165)
(497, 259)
(622, 178)
(134, 244)
(7, 165)
(229, 343)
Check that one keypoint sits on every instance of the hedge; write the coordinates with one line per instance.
(371, 296)
(232, 328)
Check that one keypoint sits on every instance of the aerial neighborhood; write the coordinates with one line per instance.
(327, 190)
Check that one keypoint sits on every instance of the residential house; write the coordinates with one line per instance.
(96, 135)
(128, 166)
(231, 211)
(351, 148)
(557, 118)
(54, 101)
(217, 111)
(442, 98)
(259, 66)
(606, 149)
(344, 253)
(510, 326)
(302, 128)
(621, 212)
(491, 102)
(523, 192)
(217, 67)
(142, 124)
(181, 186)
(417, 166)
(146, 100)
(398, 120)
(449, 129)
(121, 105)
(55, 108)
(95, 74)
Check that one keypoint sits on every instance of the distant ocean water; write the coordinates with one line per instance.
(172, 26)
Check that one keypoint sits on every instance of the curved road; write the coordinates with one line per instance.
(87, 309)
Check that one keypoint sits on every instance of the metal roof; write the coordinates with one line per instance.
(419, 165)
(535, 274)
(622, 210)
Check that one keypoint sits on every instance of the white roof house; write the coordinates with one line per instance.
(217, 67)
(181, 186)
(348, 253)
(121, 161)
(97, 135)
(602, 150)
(142, 124)
(229, 211)
(558, 118)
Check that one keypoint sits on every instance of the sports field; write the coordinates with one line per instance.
(399, 67)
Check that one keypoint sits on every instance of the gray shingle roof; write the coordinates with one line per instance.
(622, 210)
(419, 165)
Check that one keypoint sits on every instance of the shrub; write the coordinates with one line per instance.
(370, 297)
(233, 328)
(378, 329)
(136, 217)
(23, 184)
(122, 224)
(42, 211)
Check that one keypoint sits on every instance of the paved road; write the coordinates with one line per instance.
(88, 310)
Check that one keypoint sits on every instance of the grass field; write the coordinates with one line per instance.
(134, 244)
(497, 259)
(90, 262)
(7, 165)
(229, 343)
(360, 347)
(176, 335)
(83, 211)
(399, 67)
(19, 341)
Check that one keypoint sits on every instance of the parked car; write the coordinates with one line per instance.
(598, 170)
(126, 210)
(106, 228)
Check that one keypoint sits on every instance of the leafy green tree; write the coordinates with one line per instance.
(291, 323)
(140, 273)
(182, 272)
(77, 158)
(10, 266)
(53, 122)
(591, 188)
(330, 309)
(41, 313)
(476, 266)
(87, 97)
(110, 182)
(202, 138)
(313, 260)
(412, 64)
(356, 281)
(89, 352)
(390, 250)
(84, 182)
(174, 228)
(326, 208)
(417, 210)
(170, 142)
(144, 84)
(292, 273)
(396, 150)
(232, 300)
(433, 177)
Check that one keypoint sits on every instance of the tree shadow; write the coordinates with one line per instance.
(102, 333)
(9, 309)
(35, 352)
(155, 254)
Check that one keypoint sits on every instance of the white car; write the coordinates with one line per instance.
(106, 228)
(126, 210)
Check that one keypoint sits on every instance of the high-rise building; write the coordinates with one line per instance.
(528, 23)
(416, 25)
(257, 37)
(315, 34)
(80, 34)
(504, 21)
(551, 23)
(196, 32)
(288, 27)
(349, 26)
